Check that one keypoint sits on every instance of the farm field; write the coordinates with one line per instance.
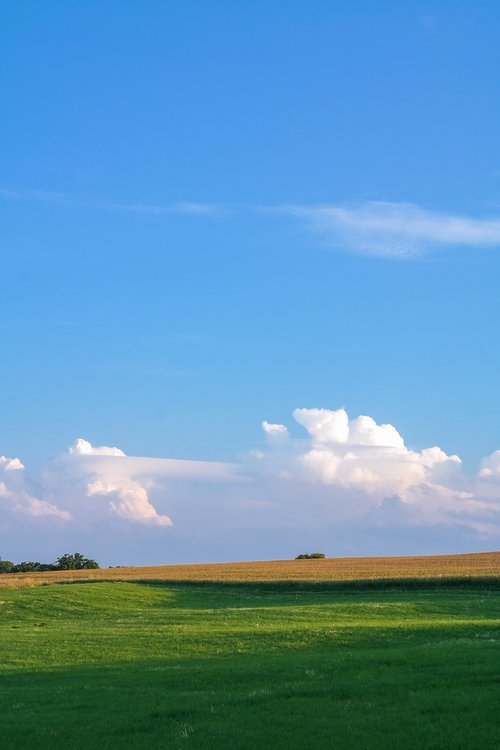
(486, 564)
(251, 665)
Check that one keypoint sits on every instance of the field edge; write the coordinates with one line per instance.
(470, 570)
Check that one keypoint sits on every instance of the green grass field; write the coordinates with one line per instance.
(138, 665)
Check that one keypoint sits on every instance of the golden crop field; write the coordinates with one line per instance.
(485, 564)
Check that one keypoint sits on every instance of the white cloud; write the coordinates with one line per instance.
(82, 447)
(360, 464)
(10, 464)
(396, 230)
(324, 425)
(277, 435)
(128, 500)
(120, 482)
(365, 431)
(363, 454)
(274, 429)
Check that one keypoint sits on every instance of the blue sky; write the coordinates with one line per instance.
(216, 213)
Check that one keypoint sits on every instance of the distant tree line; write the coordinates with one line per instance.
(312, 556)
(65, 562)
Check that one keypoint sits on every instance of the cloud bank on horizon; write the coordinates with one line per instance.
(346, 480)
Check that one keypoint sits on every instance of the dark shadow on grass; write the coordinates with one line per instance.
(189, 594)
(299, 697)
(195, 595)
(486, 583)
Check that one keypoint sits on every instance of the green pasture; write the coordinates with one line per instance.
(249, 666)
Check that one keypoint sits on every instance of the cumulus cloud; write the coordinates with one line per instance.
(396, 230)
(106, 473)
(372, 461)
(128, 500)
(82, 447)
(362, 453)
(359, 453)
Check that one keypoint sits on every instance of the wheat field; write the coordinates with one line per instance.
(475, 565)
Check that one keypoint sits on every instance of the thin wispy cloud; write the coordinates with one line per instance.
(378, 228)
(182, 207)
(396, 230)
(190, 208)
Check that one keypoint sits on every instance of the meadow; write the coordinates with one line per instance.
(255, 664)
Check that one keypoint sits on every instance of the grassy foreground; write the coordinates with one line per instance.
(244, 666)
